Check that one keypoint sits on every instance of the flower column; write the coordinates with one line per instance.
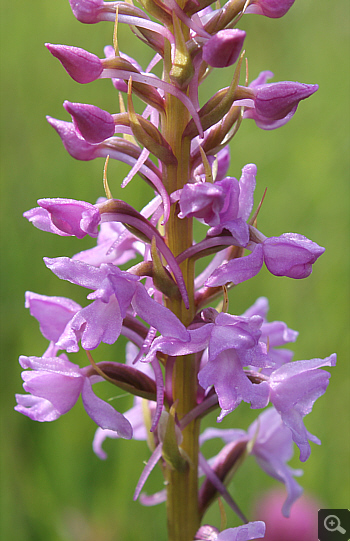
(182, 488)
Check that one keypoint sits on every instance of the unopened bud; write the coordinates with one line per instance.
(270, 8)
(94, 124)
(82, 66)
(223, 49)
(276, 100)
(87, 11)
(291, 255)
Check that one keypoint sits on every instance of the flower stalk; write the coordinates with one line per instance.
(182, 486)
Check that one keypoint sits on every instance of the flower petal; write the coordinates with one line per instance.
(104, 414)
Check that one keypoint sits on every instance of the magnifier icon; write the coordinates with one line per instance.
(332, 524)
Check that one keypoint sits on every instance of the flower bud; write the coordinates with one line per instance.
(94, 124)
(72, 217)
(275, 101)
(86, 11)
(81, 65)
(291, 255)
(270, 8)
(223, 49)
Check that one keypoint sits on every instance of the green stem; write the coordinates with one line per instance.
(182, 487)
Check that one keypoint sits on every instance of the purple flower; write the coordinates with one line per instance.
(272, 446)
(55, 385)
(274, 104)
(289, 255)
(274, 334)
(52, 313)
(202, 200)
(233, 342)
(115, 291)
(294, 388)
(224, 204)
(93, 123)
(65, 217)
(269, 8)
(223, 48)
(231, 384)
(82, 66)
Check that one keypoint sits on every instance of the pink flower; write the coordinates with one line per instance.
(301, 524)
(55, 385)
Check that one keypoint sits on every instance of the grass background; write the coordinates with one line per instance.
(53, 487)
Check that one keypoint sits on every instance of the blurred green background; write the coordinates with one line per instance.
(53, 487)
